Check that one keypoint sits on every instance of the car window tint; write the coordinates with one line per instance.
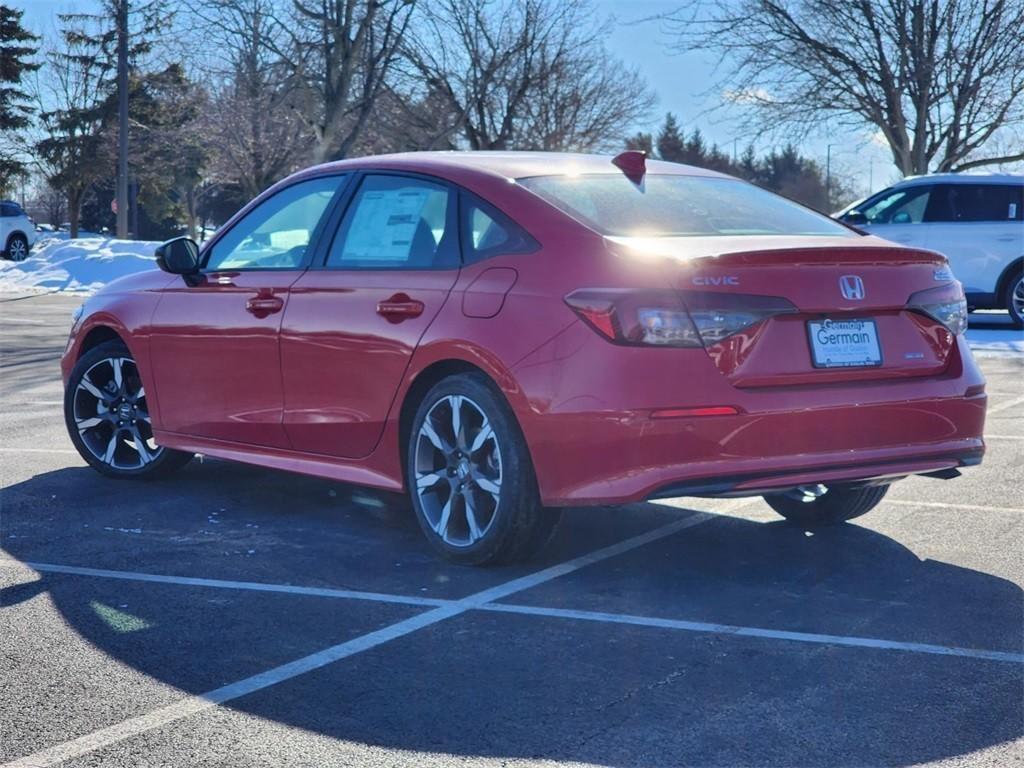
(977, 202)
(899, 206)
(394, 222)
(276, 233)
(9, 209)
(485, 232)
(665, 205)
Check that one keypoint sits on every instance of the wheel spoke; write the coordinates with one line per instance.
(140, 445)
(485, 434)
(92, 389)
(487, 484)
(108, 457)
(428, 431)
(456, 402)
(446, 515)
(84, 424)
(115, 363)
(471, 522)
(429, 480)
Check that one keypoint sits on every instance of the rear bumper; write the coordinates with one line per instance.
(592, 445)
(758, 484)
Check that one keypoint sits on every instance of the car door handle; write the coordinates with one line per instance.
(261, 306)
(399, 307)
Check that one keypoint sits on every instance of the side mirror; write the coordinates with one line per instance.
(856, 218)
(179, 256)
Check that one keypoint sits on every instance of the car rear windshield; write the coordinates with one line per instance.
(678, 206)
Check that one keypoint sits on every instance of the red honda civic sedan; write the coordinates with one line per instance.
(504, 334)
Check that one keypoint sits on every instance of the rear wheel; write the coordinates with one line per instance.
(1013, 298)
(17, 248)
(107, 416)
(470, 476)
(813, 506)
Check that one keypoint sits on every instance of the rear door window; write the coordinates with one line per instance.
(396, 222)
(977, 202)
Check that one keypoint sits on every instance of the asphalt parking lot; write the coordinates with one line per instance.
(235, 616)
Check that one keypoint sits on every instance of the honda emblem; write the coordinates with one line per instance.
(852, 287)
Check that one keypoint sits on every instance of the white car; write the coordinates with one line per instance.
(975, 220)
(17, 232)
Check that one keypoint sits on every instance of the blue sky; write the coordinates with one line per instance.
(681, 81)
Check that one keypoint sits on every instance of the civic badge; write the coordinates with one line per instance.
(852, 287)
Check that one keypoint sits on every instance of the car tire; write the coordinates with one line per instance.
(819, 506)
(470, 477)
(107, 417)
(17, 248)
(1013, 297)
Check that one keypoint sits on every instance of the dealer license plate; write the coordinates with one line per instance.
(844, 343)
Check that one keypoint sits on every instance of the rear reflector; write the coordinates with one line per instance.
(678, 413)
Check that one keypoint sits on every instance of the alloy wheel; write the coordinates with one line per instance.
(17, 249)
(457, 470)
(111, 415)
(1017, 297)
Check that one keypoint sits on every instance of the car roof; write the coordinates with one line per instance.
(510, 165)
(963, 178)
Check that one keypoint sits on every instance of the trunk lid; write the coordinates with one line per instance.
(846, 298)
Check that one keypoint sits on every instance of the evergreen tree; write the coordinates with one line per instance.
(671, 145)
(643, 142)
(16, 49)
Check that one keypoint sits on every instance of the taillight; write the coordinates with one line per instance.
(946, 304)
(671, 318)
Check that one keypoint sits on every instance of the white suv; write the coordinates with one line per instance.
(17, 232)
(975, 220)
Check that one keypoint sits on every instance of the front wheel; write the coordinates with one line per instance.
(17, 248)
(470, 476)
(107, 416)
(1013, 299)
(814, 506)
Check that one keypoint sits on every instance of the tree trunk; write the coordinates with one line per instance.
(74, 211)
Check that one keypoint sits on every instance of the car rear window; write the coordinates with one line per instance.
(665, 205)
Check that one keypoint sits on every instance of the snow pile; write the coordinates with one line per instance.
(83, 265)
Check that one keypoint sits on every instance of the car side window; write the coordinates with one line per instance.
(962, 203)
(487, 232)
(276, 233)
(396, 222)
(900, 206)
(9, 210)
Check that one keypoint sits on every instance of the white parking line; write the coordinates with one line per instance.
(194, 704)
(944, 505)
(1006, 406)
(253, 586)
(771, 634)
(6, 449)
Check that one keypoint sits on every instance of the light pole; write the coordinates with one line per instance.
(828, 176)
(122, 119)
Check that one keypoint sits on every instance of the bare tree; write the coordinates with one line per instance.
(254, 134)
(339, 55)
(585, 103)
(939, 79)
(529, 74)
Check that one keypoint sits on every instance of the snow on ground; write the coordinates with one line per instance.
(82, 265)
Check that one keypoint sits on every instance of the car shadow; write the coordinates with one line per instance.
(520, 687)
